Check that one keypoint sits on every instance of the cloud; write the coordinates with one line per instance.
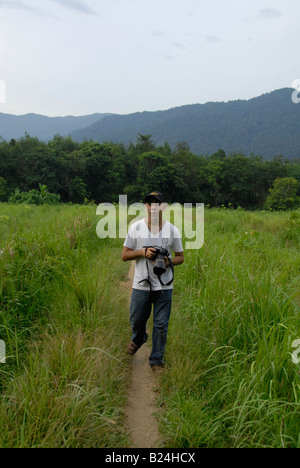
(178, 45)
(213, 39)
(168, 56)
(269, 13)
(20, 5)
(157, 33)
(77, 5)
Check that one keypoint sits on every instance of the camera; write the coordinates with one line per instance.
(159, 262)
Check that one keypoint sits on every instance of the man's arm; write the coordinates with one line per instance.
(178, 259)
(130, 254)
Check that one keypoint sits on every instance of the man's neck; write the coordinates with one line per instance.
(155, 224)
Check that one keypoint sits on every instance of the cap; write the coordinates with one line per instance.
(159, 197)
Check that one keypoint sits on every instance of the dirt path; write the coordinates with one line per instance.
(140, 420)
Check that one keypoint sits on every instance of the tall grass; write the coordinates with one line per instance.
(231, 380)
(62, 318)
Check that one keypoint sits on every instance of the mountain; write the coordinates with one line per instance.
(42, 127)
(267, 125)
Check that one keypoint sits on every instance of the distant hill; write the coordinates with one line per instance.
(15, 126)
(267, 125)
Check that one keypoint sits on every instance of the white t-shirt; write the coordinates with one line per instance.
(139, 237)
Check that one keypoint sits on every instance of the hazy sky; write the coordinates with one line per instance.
(61, 57)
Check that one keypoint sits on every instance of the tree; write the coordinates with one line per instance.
(62, 145)
(240, 179)
(144, 144)
(3, 190)
(293, 169)
(156, 173)
(187, 167)
(213, 174)
(102, 176)
(78, 191)
(220, 155)
(283, 195)
(72, 165)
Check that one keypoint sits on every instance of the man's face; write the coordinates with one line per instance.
(153, 208)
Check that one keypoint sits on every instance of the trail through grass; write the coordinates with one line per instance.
(231, 378)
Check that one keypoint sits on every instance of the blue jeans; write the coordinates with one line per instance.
(140, 311)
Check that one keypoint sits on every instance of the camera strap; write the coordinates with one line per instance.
(172, 268)
(158, 276)
(146, 279)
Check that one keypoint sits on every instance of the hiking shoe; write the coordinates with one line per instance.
(157, 368)
(132, 348)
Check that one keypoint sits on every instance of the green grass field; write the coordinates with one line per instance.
(63, 321)
(230, 381)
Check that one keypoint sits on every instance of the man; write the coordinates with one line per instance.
(149, 286)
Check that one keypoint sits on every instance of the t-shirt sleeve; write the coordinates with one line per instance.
(130, 241)
(177, 242)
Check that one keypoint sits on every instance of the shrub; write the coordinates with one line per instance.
(291, 233)
(35, 197)
(283, 195)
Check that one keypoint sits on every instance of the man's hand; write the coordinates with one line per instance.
(150, 253)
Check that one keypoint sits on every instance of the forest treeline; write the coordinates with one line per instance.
(100, 172)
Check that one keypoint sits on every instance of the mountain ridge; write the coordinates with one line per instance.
(42, 126)
(265, 125)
